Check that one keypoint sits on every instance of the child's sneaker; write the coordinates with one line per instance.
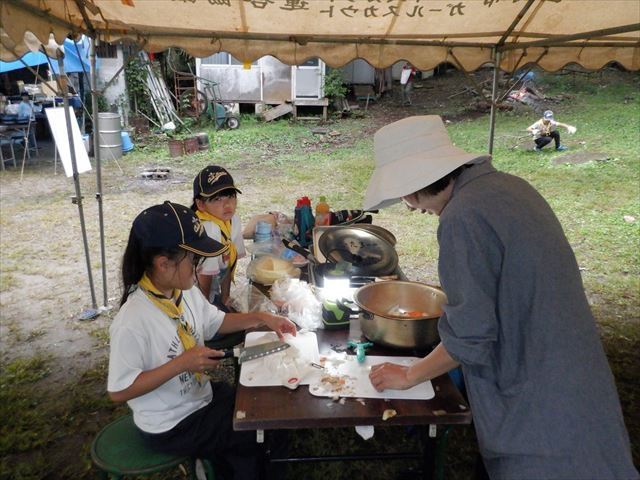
(537, 149)
(561, 148)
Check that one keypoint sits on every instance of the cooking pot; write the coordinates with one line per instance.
(400, 314)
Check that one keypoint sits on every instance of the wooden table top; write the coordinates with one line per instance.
(269, 408)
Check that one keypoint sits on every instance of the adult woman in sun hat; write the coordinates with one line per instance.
(516, 320)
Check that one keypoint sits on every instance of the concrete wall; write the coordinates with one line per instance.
(358, 72)
(118, 89)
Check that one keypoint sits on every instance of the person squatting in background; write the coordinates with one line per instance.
(544, 130)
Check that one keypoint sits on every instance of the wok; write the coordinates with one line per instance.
(367, 252)
(362, 252)
(400, 314)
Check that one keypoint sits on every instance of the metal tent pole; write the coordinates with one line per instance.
(494, 101)
(96, 156)
(76, 176)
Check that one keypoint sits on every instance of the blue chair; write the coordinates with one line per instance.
(25, 137)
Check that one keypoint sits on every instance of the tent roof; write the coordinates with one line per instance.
(552, 33)
(72, 62)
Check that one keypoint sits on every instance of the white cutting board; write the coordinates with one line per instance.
(266, 371)
(345, 377)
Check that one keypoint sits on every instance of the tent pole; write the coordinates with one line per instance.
(494, 101)
(96, 156)
(76, 176)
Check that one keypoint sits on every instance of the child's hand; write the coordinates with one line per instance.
(571, 129)
(278, 324)
(200, 359)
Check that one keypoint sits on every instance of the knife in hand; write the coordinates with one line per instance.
(246, 354)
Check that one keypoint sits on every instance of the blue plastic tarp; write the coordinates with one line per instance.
(72, 62)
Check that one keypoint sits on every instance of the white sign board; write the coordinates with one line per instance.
(58, 126)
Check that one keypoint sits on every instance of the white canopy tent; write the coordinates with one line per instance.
(425, 32)
(507, 34)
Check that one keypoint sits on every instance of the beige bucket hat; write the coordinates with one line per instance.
(411, 154)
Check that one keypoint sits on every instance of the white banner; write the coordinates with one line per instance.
(58, 126)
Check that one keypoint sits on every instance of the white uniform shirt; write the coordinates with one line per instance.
(214, 265)
(217, 266)
(143, 338)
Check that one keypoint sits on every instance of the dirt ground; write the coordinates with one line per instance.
(44, 286)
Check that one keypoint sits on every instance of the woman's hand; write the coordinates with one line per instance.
(278, 324)
(200, 359)
(389, 375)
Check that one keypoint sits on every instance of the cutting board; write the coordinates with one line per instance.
(345, 377)
(266, 371)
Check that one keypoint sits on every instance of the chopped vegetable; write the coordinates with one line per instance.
(388, 413)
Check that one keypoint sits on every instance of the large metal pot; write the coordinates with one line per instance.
(400, 314)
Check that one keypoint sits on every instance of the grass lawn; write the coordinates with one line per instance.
(53, 367)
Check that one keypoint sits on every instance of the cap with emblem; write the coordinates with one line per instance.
(548, 115)
(171, 225)
(212, 180)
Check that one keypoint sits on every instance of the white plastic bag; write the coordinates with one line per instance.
(404, 76)
(246, 298)
(297, 300)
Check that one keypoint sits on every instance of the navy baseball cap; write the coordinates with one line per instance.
(171, 225)
(548, 115)
(212, 180)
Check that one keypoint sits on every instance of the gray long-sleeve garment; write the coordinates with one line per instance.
(542, 395)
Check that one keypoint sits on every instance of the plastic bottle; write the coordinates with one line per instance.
(323, 212)
(304, 221)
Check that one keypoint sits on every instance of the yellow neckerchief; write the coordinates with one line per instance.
(174, 309)
(225, 236)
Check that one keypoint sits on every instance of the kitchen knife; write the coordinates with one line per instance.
(245, 354)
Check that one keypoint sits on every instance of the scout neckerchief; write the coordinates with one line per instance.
(225, 235)
(174, 309)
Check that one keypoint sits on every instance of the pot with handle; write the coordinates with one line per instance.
(400, 314)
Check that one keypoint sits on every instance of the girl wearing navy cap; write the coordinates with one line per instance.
(158, 363)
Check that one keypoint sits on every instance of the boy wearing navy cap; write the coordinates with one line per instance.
(214, 202)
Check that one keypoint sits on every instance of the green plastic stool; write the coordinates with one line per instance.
(119, 451)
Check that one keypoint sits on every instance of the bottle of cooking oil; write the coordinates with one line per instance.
(323, 212)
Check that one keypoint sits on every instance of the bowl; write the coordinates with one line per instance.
(267, 269)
